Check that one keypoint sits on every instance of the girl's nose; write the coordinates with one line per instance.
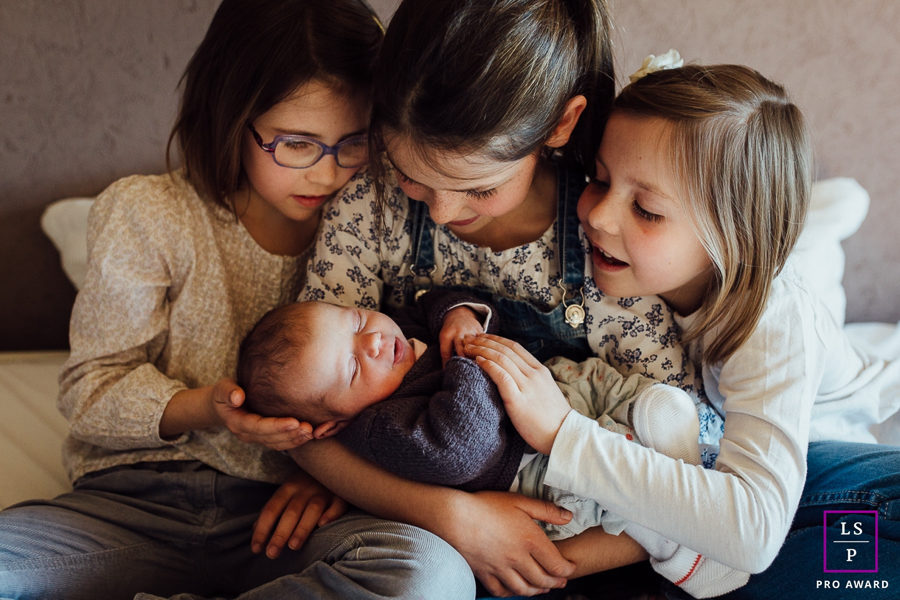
(601, 211)
(324, 172)
(443, 207)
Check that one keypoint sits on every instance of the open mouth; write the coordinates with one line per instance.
(604, 258)
(398, 350)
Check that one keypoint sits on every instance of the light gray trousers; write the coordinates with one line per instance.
(181, 528)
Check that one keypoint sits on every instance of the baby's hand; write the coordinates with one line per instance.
(283, 433)
(300, 505)
(533, 401)
(458, 323)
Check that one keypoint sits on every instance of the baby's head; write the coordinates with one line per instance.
(322, 363)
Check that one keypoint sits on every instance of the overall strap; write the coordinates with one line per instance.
(422, 265)
(570, 184)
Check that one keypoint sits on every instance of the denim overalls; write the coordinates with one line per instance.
(544, 334)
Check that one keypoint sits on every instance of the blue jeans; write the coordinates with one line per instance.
(181, 527)
(841, 476)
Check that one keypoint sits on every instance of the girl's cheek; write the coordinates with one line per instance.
(586, 203)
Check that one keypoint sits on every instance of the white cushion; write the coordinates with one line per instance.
(65, 223)
(837, 209)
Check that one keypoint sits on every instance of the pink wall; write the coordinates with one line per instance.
(840, 60)
(87, 94)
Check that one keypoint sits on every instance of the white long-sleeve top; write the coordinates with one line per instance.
(740, 513)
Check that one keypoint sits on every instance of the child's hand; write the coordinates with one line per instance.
(533, 401)
(458, 323)
(300, 505)
(509, 553)
(283, 433)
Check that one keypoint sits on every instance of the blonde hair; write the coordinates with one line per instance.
(743, 156)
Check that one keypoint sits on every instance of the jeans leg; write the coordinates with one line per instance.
(841, 477)
(356, 557)
(63, 549)
(183, 529)
(359, 556)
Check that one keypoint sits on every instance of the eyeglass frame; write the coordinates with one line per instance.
(326, 149)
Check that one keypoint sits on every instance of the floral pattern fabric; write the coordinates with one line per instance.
(364, 253)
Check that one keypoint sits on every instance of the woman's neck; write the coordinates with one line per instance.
(525, 223)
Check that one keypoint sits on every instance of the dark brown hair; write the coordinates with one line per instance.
(254, 54)
(275, 343)
(493, 76)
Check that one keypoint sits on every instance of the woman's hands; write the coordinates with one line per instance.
(532, 399)
(295, 509)
(277, 433)
(459, 323)
(221, 405)
(508, 552)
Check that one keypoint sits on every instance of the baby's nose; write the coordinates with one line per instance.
(372, 344)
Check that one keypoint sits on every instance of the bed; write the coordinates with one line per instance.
(32, 430)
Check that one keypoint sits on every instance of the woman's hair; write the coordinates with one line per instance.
(492, 76)
(254, 55)
(743, 158)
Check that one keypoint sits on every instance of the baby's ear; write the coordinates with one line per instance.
(329, 428)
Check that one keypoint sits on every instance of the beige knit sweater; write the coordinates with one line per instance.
(173, 285)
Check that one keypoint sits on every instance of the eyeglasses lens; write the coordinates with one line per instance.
(297, 153)
(353, 153)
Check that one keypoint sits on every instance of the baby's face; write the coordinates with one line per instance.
(359, 357)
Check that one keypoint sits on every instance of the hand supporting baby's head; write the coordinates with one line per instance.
(322, 363)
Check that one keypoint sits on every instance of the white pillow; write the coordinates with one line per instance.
(837, 209)
(65, 223)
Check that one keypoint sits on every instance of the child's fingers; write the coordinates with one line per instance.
(493, 350)
(543, 510)
(236, 397)
(446, 345)
(512, 348)
(336, 510)
(294, 523)
(459, 346)
(268, 516)
(312, 512)
(506, 383)
(278, 433)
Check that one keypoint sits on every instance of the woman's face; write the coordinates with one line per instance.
(466, 192)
